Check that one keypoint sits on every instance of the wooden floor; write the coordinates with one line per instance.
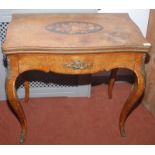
(91, 120)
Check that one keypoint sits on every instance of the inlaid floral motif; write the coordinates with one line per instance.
(74, 27)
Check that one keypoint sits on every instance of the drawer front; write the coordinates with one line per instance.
(76, 63)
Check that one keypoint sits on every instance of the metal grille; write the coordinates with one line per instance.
(39, 79)
(3, 29)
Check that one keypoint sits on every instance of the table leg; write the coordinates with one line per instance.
(26, 86)
(112, 81)
(15, 104)
(135, 95)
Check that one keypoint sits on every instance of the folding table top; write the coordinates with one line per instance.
(67, 33)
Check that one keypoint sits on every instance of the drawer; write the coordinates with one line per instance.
(76, 63)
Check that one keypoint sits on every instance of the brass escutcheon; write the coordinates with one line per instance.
(77, 64)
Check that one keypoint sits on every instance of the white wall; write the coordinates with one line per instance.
(6, 14)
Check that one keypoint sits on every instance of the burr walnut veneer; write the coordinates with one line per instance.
(74, 44)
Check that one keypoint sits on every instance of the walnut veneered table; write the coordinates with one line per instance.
(74, 44)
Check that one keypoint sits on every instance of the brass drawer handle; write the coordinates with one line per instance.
(77, 64)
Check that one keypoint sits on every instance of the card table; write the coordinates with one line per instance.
(74, 44)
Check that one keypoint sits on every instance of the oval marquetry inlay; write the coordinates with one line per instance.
(74, 27)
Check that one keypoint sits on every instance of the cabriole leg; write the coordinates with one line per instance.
(12, 97)
(135, 95)
(111, 82)
(26, 86)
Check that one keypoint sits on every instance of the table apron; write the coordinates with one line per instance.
(75, 63)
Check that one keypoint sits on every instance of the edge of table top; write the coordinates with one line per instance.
(142, 46)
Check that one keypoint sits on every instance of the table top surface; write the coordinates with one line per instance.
(67, 33)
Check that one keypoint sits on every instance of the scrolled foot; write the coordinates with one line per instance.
(22, 137)
(122, 132)
(110, 95)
